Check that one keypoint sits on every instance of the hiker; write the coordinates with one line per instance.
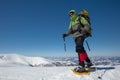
(80, 29)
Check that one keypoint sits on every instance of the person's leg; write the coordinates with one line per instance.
(81, 59)
(88, 62)
(82, 54)
(80, 50)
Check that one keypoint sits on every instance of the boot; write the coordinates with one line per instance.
(87, 60)
(79, 69)
(88, 63)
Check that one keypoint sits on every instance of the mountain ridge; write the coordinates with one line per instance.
(21, 60)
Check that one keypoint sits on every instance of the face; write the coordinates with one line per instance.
(71, 14)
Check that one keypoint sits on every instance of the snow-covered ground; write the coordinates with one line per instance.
(54, 73)
(18, 67)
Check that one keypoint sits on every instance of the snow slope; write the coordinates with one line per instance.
(54, 73)
(17, 60)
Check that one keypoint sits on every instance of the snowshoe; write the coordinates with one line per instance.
(83, 71)
(90, 68)
(80, 71)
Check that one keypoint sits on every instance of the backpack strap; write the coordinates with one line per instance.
(80, 24)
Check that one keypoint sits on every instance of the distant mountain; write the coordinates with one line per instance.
(20, 60)
(97, 60)
(17, 60)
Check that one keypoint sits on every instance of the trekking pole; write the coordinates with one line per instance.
(64, 44)
(93, 59)
(90, 51)
(88, 45)
(65, 51)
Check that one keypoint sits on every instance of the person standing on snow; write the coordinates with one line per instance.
(78, 28)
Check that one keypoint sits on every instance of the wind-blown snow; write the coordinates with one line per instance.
(17, 67)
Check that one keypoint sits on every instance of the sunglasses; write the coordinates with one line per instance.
(71, 14)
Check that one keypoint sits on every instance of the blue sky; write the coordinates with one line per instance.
(35, 27)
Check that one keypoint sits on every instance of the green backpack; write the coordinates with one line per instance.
(85, 14)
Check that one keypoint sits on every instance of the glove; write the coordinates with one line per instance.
(64, 35)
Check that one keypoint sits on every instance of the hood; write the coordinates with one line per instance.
(74, 16)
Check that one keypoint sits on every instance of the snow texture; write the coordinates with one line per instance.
(17, 67)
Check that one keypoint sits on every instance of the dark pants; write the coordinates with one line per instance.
(79, 44)
(82, 55)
